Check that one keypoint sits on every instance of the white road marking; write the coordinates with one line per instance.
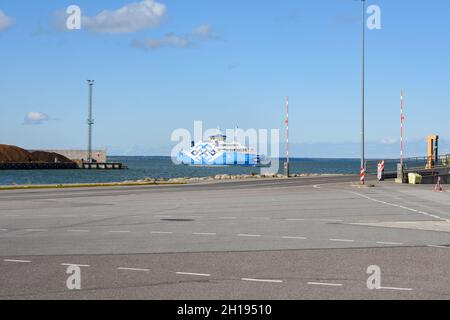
(391, 243)
(194, 274)
(249, 235)
(18, 261)
(440, 247)
(401, 207)
(77, 230)
(76, 265)
(262, 280)
(325, 284)
(204, 234)
(133, 269)
(393, 288)
(341, 240)
(295, 238)
(3, 229)
(161, 232)
(119, 231)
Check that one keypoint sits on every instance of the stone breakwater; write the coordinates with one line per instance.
(224, 177)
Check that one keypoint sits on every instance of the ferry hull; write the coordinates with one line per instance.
(224, 159)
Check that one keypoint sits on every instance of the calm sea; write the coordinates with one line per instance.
(162, 167)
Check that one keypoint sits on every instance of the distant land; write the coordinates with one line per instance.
(417, 148)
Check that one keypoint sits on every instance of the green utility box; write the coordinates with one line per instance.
(414, 178)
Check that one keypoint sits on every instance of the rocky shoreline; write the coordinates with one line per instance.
(225, 177)
(161, 181)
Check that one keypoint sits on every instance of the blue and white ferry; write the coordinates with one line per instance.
(219, 152)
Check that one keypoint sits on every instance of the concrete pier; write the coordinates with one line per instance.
(102, 165)
(37, 166)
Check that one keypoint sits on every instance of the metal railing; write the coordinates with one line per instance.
(409, 163)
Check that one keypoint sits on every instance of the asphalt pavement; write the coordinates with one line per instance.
(302, 238)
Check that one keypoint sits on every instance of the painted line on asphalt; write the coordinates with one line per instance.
(439, 247)
(133, 269)
(400, 206)
(204, 234)
(3, 229)
(390, 243)
(262, 280)
(295, 238)
(396, 289)
(193, 274)
(325, 284)
(249, 235)
(75, 265)
(341, 240)
(18, 261)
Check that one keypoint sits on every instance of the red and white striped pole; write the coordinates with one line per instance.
(402, 118)
(287, 130)
(362, 177)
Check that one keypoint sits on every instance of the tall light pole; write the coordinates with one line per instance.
(90, 121)
(363, 5)
(286, 165)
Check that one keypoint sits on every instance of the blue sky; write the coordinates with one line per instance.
(227, 63)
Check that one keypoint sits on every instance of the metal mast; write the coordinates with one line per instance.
(363, 85)
(286, 165)
(90, 121)
(402, 119)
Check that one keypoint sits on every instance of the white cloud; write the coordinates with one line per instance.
(203, 32)
(35, 117)
(388, 141)
(169, 40)
(130, 18)
(5, 21)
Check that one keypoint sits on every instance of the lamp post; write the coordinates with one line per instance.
(363, 5)
(90, 121)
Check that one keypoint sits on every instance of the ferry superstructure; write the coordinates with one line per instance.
(219, 152)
